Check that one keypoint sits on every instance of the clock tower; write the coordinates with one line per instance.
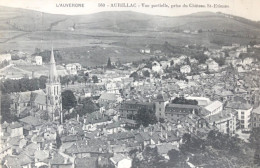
(53, 91)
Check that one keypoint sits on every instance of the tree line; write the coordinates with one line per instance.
(24, 84)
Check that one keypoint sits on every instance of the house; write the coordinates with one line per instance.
(214, 107)
(247, 61)
(161, 101)
(108, 98)
(86, 162)
(128, 109)
(244, 113)
(164, 148)
(21, 160)
(212, 65)
(112, 87)
(173, 112)
(156, 67)
(185, 69)
(16, 129)
(121, 161)
(255, 119)
(114, 127)
(59, 160)
(5, 58)
(38, 60)
(225, 121)
(71, 69)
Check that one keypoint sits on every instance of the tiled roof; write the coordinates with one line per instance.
(31, 121)
(87, 162)
(238, 105)
(108, 96)
(15, 125)
(211, 107)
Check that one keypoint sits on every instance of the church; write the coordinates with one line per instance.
(46, 102)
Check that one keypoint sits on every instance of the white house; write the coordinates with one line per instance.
(212, 65)
(156, 67)
(121, 161)
(185, 69)
(5, 57)
(247, 61)
(244, 113)
(38, 60)
(214, 107)
(73, 68)
(225, 121)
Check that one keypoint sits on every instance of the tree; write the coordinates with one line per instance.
(176, 158)
(171, 63)
(109, 65)
(95, 79)
(146, 73)
(182, 100)
(151, 158)
(58, 140)
(254, 137)
(88, 107)
(145, 117)
(135, 76)
(68, 99)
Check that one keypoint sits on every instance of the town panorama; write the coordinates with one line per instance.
(129, 93)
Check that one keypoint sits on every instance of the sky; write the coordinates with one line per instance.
(245, 8)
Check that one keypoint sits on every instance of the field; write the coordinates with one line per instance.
(91, 39)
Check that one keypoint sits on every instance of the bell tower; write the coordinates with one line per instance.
(53, 91)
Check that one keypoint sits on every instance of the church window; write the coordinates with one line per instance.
(54, 90)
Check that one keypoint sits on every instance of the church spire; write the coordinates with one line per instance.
(53, 75)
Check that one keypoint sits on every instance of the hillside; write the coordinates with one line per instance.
(123, 31)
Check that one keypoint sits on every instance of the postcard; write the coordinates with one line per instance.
(129, 83)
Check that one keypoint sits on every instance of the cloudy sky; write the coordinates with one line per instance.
(244, 8)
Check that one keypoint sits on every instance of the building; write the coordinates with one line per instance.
(121, 161)
(160, 103)
(128, 109)
(73, 68)
(5, 57)
(174, 112)
(212, 65)
(255, 119)
(108, 98)
(225, 121)
(49, 100)
(185, 69)
(156, 67)
(244, 113)
(38, 60)
(214, 107)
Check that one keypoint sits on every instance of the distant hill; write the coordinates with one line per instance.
(128, 31)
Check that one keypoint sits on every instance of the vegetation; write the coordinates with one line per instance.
(88, 106)
(68, 99)
(46, 54)
(109, 65)
(95, 79)
(22, 85)
(145, 117)
(182, 100)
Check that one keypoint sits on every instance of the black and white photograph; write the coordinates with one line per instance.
(130, 84)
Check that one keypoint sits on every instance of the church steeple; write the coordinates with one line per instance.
(53, 75)
(53, 91)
